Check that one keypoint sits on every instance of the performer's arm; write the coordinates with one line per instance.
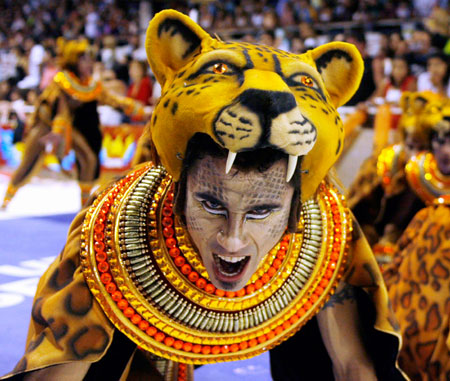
(130, 106)
(339, 326)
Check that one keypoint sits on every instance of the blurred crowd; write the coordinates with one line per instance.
(407, 53)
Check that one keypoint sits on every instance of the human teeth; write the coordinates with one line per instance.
(231, 259)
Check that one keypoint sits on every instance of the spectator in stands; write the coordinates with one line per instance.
(437, 76)
(141, 84)
(367, 87)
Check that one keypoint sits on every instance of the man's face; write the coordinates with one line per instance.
(235, 219)
(441, 150)
(413, 145)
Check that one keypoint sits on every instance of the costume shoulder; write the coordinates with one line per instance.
(425, 179)
(70, 84)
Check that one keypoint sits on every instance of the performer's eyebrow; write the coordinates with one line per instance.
(208, 197)
(266, 206)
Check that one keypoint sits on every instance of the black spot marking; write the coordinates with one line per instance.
(59, 330)
(33, 344)
(36, 312)
(155, 119)
(174, 108)
(338, 147)
(231, 113)
(243, 129)
(180, 93)
(63, 275)
(325, 111)
(189, 92)
(181, 73)
(166, 103)
(79, 302)
(205, 87)
(327, 57)
(243, 137)
(245, 120)
(225, 123)
(88, 340)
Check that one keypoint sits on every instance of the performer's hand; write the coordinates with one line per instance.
(52, 142)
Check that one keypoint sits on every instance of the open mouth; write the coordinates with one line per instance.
(230, 266)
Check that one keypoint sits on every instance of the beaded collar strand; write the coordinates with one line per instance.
(140, 265)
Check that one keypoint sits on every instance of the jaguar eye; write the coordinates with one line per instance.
(220, 68)
(307, 81)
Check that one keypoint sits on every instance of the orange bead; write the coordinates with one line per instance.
(180, 261)
(215, 350)
(187, 347)
(276, 264)
(99, 246)
(332, 265)
(100, 256)
(122, 304)
(271, 272)
(314, 298)
(169, 341)
(250, 289)
(301, 312)
(116, 296)
(160, 336)
(224, 349)
(279, 330)
(103, 267)
(240, 292)
(234, 348)
(293, 319)
(105, 278)
(308, 305)
(143, 325)
(201, 283)
(151, 331)
(281, 254)
(334, 256)
(319, 290)
(265, 278)
(110, 288)
(99, 227)
(186, 269)
(262, 339)
(206, 349)
(136, 318)
(196, 348)
(258, 284)
(324, 283)
(270, 335)
(328, 274)
(178, 344)
(174, 252)
(209, 288)
(230, 294)
(220, 292)
(99, 236)
(193, 276)
(171, 242)
(286, 324)
(243, 345)
(252, 342)
(128, 312)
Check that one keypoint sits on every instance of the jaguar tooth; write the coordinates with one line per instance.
(230, 160)
(292, 164)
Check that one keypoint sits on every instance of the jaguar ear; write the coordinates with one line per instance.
(341, 66)
(172, 41)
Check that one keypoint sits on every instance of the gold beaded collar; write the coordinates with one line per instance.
(70, 84)
(425, 179)
(140, 266)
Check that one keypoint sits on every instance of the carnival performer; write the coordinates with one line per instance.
(231, 239)
(66, 118)
(419, 277)
(380, 197)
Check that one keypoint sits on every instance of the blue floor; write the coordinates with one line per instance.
(27, 246)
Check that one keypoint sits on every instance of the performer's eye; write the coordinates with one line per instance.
(213, 207)
(259, 214)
